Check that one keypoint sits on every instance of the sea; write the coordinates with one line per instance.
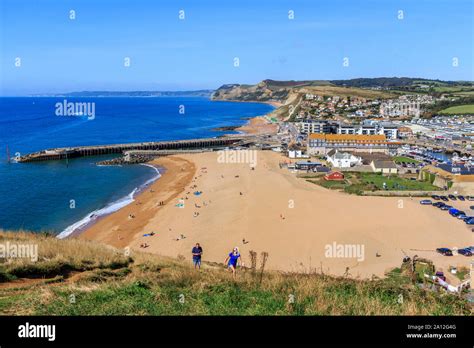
(61, 197)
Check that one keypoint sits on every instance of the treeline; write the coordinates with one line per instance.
(388, 82)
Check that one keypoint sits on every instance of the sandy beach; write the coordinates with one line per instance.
(275, 212)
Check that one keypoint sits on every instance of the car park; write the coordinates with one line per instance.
(426, 202)
(444, 251)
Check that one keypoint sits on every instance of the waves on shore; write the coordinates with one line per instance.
(92, 217)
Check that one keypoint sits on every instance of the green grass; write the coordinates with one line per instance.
(460, 109)
(153, 285)
(357, 183)
(402, 159)
(396, 183)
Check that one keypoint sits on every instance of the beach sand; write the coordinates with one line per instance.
(275, 212)
(258, 125)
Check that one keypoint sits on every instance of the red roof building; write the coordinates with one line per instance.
(334, 176)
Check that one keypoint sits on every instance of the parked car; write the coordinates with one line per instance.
(440, 275)
(435, 197)
(452, 197)
(470, 198)
(465, 252)
(426, 202)
(444, 198)
(438, 204)
(461, 198)
(461, 216)
(471, 207)
(445, 207)
(469, 220)
(452, 211)
(445, 251)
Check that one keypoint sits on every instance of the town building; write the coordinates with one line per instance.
(334, 176)
(341, 159)
(316, 126)
(405, 132)
(389, 130)
(384, 167)
(322, 144)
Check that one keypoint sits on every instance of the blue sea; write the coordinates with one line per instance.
(58, 196)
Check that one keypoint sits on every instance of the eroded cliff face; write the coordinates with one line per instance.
(262, 92)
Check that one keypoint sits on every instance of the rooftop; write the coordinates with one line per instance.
(348, 137)
(384, 164)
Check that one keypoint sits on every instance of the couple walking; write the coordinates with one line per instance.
(232, 260)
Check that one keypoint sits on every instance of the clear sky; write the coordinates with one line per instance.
(59, 54)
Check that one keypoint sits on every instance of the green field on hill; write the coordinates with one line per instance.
(460, 109)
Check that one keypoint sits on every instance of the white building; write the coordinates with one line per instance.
(390, 131)
(310, 126)
(343, 159)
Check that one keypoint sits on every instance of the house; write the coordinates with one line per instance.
(405, 132)
(294, 153)
(384, 167)
(334, 176)
(341, 159)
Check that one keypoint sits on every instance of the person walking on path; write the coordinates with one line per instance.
(232, 261)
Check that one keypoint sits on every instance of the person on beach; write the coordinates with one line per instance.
(197, 253)
(232, 261)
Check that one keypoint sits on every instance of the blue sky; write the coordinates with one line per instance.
(59, 54)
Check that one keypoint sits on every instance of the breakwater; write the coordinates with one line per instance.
(84, 151)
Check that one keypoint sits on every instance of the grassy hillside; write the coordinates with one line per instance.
(459, 110)
(73, 277)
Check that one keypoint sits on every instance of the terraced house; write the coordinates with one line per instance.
(322, 144)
